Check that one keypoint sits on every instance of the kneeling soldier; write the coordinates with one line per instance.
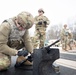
(14, 35)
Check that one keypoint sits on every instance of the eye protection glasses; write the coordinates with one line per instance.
(21, 23)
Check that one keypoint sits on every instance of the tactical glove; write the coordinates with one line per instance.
(40, 23)
(45, 22)
(30, 58)
(23, 53)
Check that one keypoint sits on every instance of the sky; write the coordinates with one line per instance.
(58, 11)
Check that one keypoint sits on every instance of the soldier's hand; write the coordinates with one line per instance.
(45, 22)
(23, 53)
(40, 23)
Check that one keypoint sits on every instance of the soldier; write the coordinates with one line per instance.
(66, 37)
(14, 35)
(41, 23)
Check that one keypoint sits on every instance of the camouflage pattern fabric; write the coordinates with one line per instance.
(11, 39)
(40, 37)
(66, 37)
(40, 30)
(15, 37)
(34, 42)
(5, 61)
(27, 18)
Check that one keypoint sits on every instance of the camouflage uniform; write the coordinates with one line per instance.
(12, 39)
(40, 30)
(34, 42)
(66, 37)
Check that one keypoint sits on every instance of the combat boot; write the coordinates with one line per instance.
(64, 49)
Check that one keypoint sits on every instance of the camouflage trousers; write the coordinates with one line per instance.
(5, 61)
(66, 44)
(39, 40)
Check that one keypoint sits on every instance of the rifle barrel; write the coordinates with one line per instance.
(53, 43)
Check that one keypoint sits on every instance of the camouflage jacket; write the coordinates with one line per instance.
(42, 19)
(5, 36)
(66, 33)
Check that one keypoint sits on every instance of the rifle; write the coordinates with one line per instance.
(28, 57)
(48, 47)
(43, 60)
(53, 43)
(31, 56)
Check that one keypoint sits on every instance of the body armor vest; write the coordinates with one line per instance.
(15, 34)
(66, 32)
(15, 37)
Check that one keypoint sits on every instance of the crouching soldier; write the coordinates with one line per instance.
(14, 35)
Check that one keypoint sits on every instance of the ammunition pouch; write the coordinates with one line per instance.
(45, 22)
(40, 23)
(17, 44)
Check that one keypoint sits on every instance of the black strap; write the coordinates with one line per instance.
(5, 21)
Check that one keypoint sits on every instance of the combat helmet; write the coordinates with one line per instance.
(27, 18)
(41, 10)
